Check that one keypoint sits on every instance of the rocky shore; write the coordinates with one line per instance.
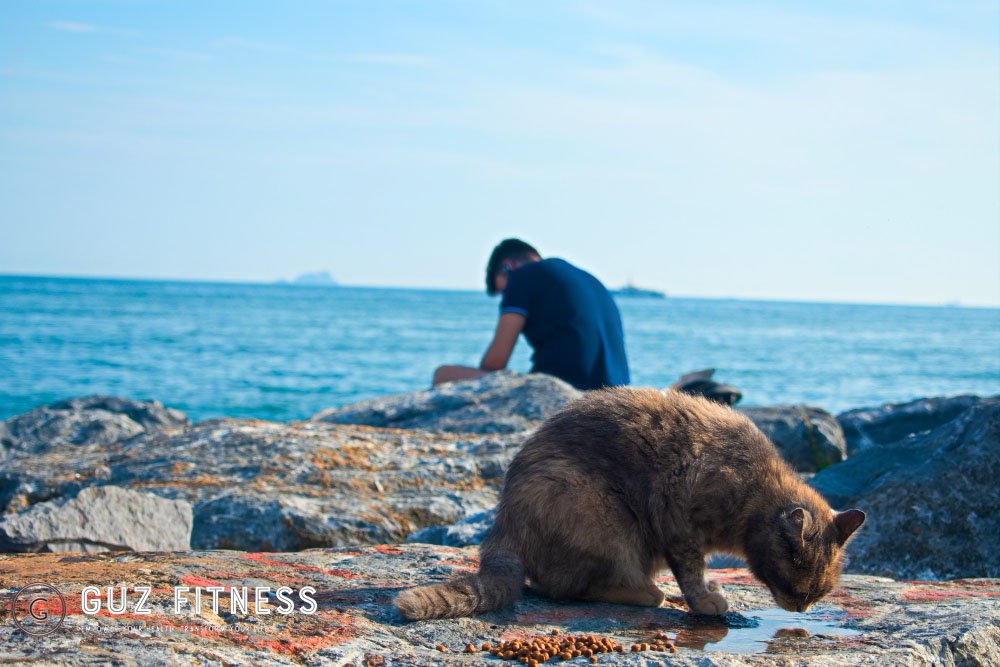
(106, 491)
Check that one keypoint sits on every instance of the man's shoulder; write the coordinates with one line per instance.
(540, 270)
(573, 273)
(556, 266)
(556, 271)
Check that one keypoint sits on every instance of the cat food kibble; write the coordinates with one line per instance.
(533, 651)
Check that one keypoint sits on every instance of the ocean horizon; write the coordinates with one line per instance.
(284, 351)
(291, 282)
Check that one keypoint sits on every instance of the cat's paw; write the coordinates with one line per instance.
(713, 586)
(710, 603)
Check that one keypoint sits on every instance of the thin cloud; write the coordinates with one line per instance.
(392, 59)
(72, 26)
(223, 43)
(178, 54)
(79, 27)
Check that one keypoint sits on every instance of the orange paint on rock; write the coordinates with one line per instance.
(942, 594)
(299, 645)
(467, 563)
(340, 627)
(341, 630)
(388, 549)
(343, 574)
(264, 560)
(198, 582)
(855, 607)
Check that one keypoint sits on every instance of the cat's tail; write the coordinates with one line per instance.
(497, 584)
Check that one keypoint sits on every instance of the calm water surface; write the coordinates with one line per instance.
(286, 352)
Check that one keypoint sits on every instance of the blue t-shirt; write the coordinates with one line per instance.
(572, 323)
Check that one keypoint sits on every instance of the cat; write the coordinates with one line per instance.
(624, 482)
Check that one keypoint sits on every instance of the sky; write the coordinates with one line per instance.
(798, 150)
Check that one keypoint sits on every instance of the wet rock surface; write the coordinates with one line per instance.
(100, 518)
(867, 620)
(931, 499)
(501, 402)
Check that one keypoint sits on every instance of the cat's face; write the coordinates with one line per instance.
(799, 556)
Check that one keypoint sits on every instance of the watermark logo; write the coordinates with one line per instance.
(38, 609)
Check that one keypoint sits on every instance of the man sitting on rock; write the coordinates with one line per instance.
(569, 318)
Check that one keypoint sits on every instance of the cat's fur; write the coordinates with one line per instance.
(625, 482)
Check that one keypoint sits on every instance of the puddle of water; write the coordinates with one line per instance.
(754, 632)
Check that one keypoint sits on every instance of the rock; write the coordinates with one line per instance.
(501, 402)
(931, 499)
(100, 518)
(808, 438)
(91, 420)
(258, 485)
(869, 427)
(867, 620)
(468, 532)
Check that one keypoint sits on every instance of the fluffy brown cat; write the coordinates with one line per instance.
(624, 482)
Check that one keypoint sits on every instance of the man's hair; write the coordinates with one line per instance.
(508, 249)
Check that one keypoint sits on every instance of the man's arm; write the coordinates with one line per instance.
(504, 338)
(497, 354)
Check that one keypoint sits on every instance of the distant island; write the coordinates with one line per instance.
(631, 290)
(315, 278)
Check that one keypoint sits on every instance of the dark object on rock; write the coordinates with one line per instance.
(500, 402)
(870, 427)
(100, 518)
(809, 438)
(932, 498)
(700, 383)
(101, 420)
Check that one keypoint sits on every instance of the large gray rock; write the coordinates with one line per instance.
(866, 621)
(100, 518)
(90, 420)
(260, 485)
(932, 499)
(501, 402)
(889, 423)
(809, 438)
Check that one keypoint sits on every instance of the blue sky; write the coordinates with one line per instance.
(843, 151)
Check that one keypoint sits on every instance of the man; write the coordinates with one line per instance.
(567, 315)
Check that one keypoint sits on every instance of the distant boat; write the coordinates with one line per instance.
(631, 290)
(317, 278)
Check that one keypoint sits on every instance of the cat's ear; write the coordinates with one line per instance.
(847, 522)
(797, 522)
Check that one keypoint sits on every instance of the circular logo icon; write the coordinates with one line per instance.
(38, 609)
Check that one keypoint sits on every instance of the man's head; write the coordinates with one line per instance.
(507, 256)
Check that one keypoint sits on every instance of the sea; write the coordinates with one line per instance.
(285, 352)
